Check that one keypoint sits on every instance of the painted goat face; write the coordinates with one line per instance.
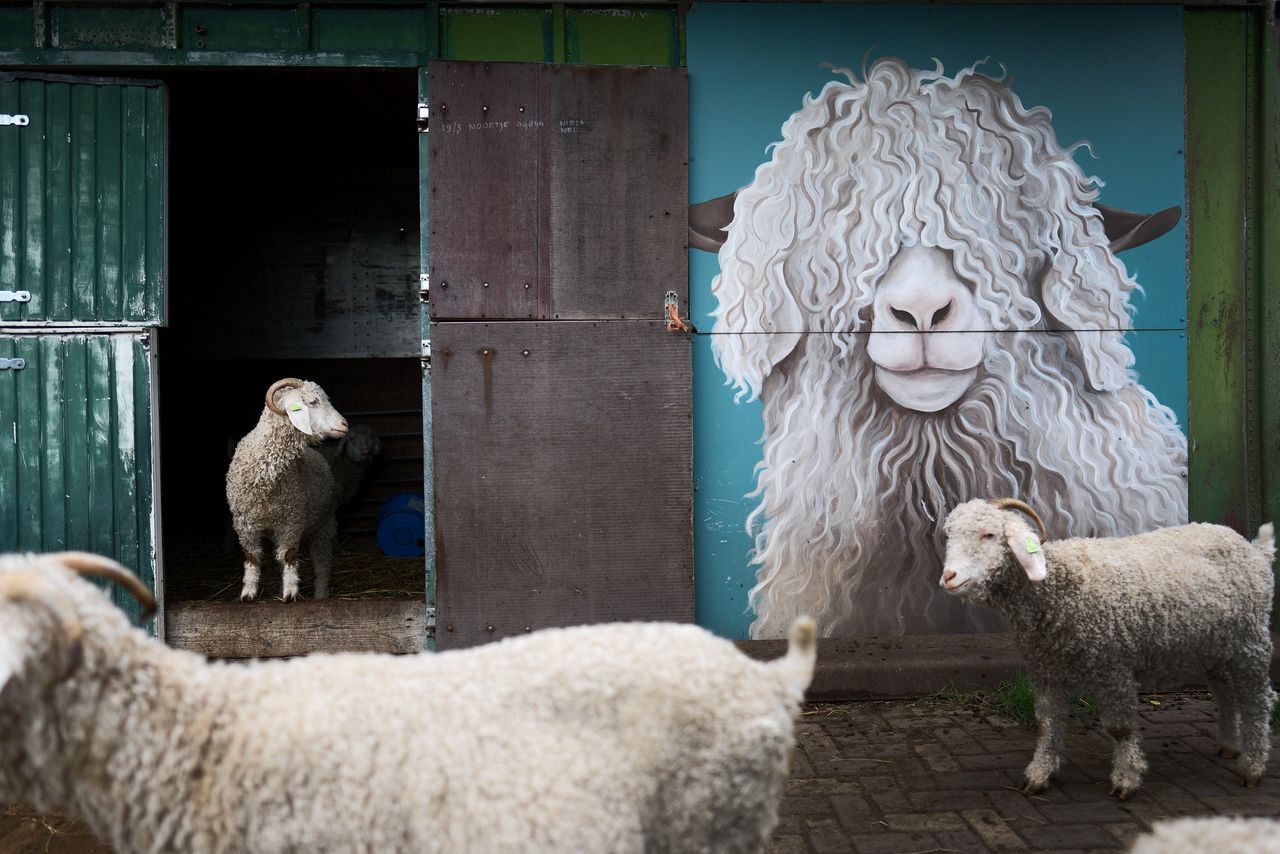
(929, 336)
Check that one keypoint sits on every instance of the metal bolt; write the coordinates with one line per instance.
(526, 286)
(444, 285)
(201, 29)
(488, 628)
(485, 109)
(522, 109)
(448, 627)
(524, 353)
(528, 629)
(484, 352)
(486, 284)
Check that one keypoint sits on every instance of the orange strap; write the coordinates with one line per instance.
(674, 323)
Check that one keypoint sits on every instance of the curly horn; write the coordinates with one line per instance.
(97, 566)
(31, 587)
(287, 382)
(1015, 504)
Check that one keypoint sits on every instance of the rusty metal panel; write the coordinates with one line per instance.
(488, 255)
(618, 189)
(562, 476)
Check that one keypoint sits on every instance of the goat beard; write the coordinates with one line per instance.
(853, 488)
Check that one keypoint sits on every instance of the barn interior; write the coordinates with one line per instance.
(293, 252)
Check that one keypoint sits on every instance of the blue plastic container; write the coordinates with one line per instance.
(401, 521)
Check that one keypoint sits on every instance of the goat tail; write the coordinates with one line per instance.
(796, 667)
(1266, 541)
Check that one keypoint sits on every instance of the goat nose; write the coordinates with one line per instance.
(948, 576)
(343, 422)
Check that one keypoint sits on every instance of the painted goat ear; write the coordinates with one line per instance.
(1026, 549)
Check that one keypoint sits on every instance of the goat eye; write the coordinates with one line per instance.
(315, 402)
(988, 536)
(941, 314)
(904, 317)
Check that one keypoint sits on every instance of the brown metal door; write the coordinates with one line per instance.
(562, 432)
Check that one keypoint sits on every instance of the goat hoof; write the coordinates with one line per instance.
(248, 594)
(1250, 782)
(1228, 753)
(1124, 793)
(1034, 788)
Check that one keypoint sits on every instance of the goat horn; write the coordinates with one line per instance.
(29, 586)
(1015, 504)
(97, 566)
(287, 382)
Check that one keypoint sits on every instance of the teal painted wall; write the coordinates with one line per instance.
(1110, 75)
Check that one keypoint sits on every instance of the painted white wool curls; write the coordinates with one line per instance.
(1221, 834)
(1094, 616)
(624, 738)
(913, 167)
(280, 487)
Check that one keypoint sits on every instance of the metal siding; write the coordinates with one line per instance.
(75, 440)
(82, 202)
(1221, 481)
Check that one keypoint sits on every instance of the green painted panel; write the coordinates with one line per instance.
(334, 28)
(243, 28)
(109, 26)
(498, 35)
(1218, 78)
(623, 36)
(57, 237)
(1268, 244)
(82, 202)
(10, 194)
(75, 447)
(17, 27)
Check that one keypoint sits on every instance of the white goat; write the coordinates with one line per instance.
(623, 738)
(1093, 616)
(280, 487)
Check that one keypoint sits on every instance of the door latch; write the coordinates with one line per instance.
(12, 364)
(15, 296)
(424, 117)
(19, 119)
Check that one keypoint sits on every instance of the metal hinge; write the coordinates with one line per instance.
(12, 364)
(15, 296)
(20, 120)
(424, 287)
(426, 353)
(424, 117)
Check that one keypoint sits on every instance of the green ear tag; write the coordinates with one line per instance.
(294, 407)
(1032, 546)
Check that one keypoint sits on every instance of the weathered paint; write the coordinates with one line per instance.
(622, 36)
(76, 448)
(1222, 482)
(81, 193)
(1268, 248)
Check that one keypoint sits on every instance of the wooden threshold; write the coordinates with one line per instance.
(283, 629)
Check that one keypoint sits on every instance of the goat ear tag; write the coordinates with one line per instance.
(301, 418)
(1032, 546)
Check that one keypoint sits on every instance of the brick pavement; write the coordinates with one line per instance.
(932, 775)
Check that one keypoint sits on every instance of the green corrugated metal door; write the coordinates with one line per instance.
(82, 269)
(82, 168)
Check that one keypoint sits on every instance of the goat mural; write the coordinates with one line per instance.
(921, 289)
